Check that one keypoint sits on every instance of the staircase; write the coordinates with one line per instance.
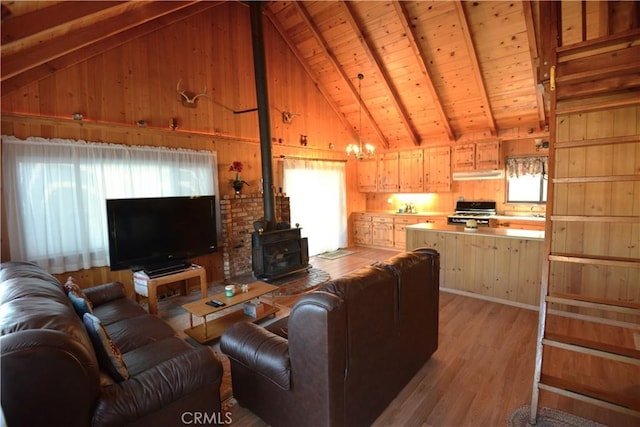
(588, 347)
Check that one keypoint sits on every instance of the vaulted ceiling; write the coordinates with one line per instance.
(432, 69)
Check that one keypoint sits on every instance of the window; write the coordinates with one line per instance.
(55, 193)
(527, 179)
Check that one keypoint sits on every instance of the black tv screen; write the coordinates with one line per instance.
(146, 232)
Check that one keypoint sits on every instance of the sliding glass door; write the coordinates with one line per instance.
(317, 193)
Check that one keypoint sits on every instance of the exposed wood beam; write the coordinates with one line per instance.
(535, 61)
(41, 71)
(420, 56)
(475, 65)
(336, 65)
(47, 23)
(312, 75)
(381, 70)
(137, 13)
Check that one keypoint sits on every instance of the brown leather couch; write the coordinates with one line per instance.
(346, 350)
(50, 371)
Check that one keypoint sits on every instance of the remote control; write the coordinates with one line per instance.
(216, 303)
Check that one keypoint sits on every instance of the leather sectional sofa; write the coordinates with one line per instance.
(346, 349)
(53, 374)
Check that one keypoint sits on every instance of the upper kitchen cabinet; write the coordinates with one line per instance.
(477, 156)
(388, 172)
(367, 175)
(437, 169)
(488, 155)
(410, 170)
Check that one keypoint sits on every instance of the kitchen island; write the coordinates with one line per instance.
(503, 265)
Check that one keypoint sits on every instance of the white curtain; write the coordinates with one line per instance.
(317, 193)
(55, 192)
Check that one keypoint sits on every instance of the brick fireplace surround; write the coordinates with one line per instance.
(237, 215)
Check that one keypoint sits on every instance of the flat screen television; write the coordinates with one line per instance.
(160, 234)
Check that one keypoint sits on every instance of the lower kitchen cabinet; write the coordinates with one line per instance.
(361, 229)
(505, 265)
(382, 231)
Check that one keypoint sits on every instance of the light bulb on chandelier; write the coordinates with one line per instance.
(358, 150)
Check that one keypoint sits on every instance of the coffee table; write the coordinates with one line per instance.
(209, 330)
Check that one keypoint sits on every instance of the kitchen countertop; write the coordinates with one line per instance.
(482, 231)
(511, 217)
(394, 213)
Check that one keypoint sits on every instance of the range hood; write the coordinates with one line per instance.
(468, 176)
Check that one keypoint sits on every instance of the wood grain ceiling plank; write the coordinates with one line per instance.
(337, 68)
(380, 69)
(43, 22)
(486, 105)
(419, 55)
(310, 71)
(22, 61)
(38, 72)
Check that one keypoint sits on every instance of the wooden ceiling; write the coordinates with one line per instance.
(433, 70)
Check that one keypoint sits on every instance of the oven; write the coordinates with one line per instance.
(481, 211)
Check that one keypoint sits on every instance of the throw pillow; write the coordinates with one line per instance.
(81, 303)
(109, 355)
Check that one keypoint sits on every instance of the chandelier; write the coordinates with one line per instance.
(358, 150)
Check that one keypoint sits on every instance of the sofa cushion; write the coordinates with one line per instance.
(80, 302)
(109, 356)
(118, 310)
(129, 334)
(146, 357)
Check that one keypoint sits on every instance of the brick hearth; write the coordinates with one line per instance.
(237, 215)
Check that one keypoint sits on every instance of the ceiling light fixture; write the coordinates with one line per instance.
(357, 150)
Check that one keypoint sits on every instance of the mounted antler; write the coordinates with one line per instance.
(287, 116)
(189, 98)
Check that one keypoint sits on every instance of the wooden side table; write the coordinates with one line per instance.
(153, 283)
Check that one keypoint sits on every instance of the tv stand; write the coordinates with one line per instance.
(159, 270)
(148, 287)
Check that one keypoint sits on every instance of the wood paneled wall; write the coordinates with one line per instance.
(600, 239)
(138, 81)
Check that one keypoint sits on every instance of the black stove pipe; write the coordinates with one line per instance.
(264, 123)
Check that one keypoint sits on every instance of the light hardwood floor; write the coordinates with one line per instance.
(482, 370)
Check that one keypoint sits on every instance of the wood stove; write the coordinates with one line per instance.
(279, 253)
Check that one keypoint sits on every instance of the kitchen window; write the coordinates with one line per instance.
(527, 179)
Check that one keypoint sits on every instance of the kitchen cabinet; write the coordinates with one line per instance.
(464, 157)
(437, 169)
(487, 263)
(388, 172)
(382, 231)
(361, 228)
(488, 155)
(410, 170)
(477, 156)
(399, 230)
(367, 175)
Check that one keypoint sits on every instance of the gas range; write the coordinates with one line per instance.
(481, 211)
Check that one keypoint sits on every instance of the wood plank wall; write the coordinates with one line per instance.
(138, 81)
(606, 199)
